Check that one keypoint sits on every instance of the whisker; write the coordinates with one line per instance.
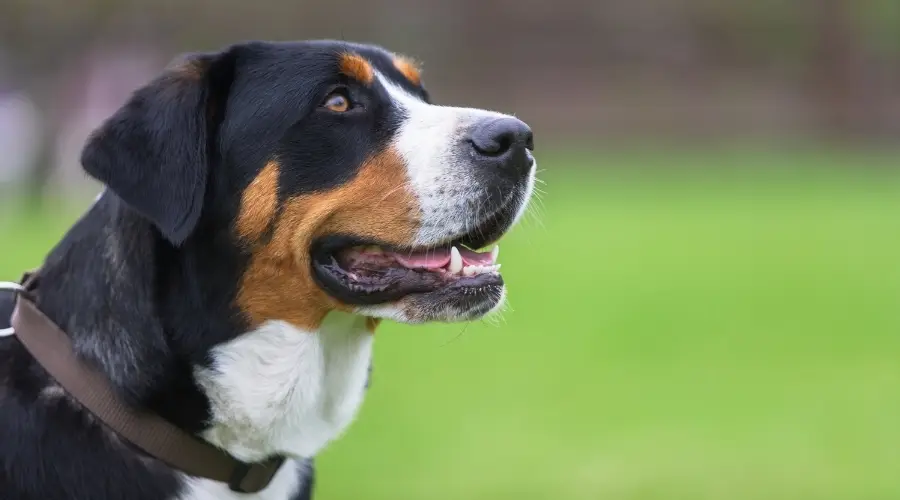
(498, 317)
(460, 334)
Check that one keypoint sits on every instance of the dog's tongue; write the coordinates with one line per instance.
(431, 259)
(440, 257)
(473, 258)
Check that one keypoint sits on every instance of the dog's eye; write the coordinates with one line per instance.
(337, 102)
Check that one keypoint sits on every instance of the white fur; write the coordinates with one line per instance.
(529, 190)
(431, 140)
(397, 312)
(282, 390)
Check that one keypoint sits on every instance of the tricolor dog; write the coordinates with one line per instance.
(265, 207)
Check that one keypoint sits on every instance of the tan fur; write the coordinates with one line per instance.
(278, 284)
(372, 324)
(357, 67)
(409, 69)
(188, 69)
(258, 204)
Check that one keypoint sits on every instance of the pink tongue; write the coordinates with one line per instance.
(435, 259)
(432, 259)
(473, 258)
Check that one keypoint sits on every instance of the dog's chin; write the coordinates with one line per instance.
(440, 307)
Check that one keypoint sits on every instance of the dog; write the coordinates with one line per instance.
(264, 208)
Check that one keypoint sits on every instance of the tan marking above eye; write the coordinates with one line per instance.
(337, 102)
(357, 67)
(409, 69)
(189, 68)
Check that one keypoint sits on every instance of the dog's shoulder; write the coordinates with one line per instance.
(50, 445)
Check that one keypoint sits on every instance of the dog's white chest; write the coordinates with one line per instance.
(282, 390)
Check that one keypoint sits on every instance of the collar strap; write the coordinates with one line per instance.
(154, 435)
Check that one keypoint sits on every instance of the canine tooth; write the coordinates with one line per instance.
(494, 253)
(456, 262)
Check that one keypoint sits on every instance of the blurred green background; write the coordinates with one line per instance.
(704, 301)
(718, 334)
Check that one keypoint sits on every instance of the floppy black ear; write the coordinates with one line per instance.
(154, 151)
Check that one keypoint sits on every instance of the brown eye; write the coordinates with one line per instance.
(337, 103)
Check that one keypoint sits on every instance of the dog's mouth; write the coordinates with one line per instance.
(366, 273)
(369, 274)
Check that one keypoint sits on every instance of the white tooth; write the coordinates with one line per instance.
(456, 263)
(492, 269)
(494, 253)
(470, 271)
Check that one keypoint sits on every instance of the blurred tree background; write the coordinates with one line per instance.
(703, 301)
(582, 72)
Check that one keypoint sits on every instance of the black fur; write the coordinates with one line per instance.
(144, 283)
(153, 152)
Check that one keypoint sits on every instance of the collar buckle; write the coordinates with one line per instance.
(15, 289)
(251, 478)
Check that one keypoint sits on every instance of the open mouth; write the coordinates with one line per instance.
(358, 272)
(368, 274)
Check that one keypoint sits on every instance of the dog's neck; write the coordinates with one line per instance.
(161, 324)
(278, 389)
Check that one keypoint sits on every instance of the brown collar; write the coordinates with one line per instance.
(156, 436)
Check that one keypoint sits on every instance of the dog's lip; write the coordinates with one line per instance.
(357, 275)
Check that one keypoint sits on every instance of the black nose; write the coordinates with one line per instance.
(506, 141)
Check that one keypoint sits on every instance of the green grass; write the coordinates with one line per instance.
(672, 335)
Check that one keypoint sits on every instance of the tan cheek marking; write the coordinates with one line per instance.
(258, 204)
(409, 69)
(357, 67)
(376, 204)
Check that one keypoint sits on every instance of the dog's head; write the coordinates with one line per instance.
(325, 166)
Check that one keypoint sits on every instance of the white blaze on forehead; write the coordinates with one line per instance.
(432, 140)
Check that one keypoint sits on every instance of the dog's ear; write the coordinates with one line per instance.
(154, 152)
